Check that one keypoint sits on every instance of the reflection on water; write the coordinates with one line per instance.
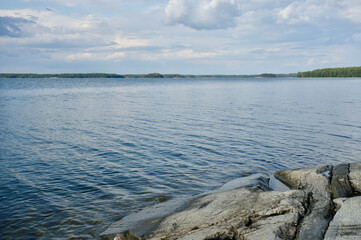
(79, 154)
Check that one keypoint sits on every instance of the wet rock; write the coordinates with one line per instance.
(340, 185)
(127, 235)
(346, 224)
(355, 176)
(146, 220)
(256, 180)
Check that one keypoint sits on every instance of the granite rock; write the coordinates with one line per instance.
(243, 213)
(313, 226)
(340, 184)
(355, 176)
(312, 179)
(346, 224)
(316, 182)
(246, 209)
(250, 212)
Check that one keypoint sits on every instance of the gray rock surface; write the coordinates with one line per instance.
(249, 212)
(355, 176)
(312, 179)
(314, 225)
(340, 185)
(145, 221)
(246, 209)
(256, 180)
(346, 224)
(316, 182)
(243, 213)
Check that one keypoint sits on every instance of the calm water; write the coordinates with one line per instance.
(79, 154)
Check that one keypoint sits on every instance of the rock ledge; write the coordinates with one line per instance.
(324, 204)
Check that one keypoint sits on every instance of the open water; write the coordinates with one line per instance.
(78, 154)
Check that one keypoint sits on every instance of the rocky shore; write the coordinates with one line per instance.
(324, 203)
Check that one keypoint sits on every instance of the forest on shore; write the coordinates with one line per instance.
(318, 73)
(332, 72)
(149, 75)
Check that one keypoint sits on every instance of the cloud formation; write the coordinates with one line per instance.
(311, 11)
(223, 14)
(50, 35)
(12, 26)
(203, 14)
(184, 36)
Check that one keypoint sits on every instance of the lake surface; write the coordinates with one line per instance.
(78, 154)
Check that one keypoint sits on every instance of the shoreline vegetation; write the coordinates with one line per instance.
(149, 75)
(344, 72)
(332, 72)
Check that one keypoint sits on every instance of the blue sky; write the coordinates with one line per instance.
(178, 36)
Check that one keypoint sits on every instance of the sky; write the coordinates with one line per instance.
(178, 36)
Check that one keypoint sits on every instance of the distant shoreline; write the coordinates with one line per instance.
(346, 72)
(149, 75)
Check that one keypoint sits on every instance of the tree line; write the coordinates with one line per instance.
(149, 75)
(60, 75)
(332, 72)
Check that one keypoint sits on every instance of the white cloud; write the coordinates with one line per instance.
(12, 26)
(309, 11)
(115, 55)
(89, 56)
(319, 11)
(74, 3)
(67, 38)
(123, 42)
(79, 56)
(189, 54)
(56, 24)
(223, 14)
(351, 9)
(203, 14)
